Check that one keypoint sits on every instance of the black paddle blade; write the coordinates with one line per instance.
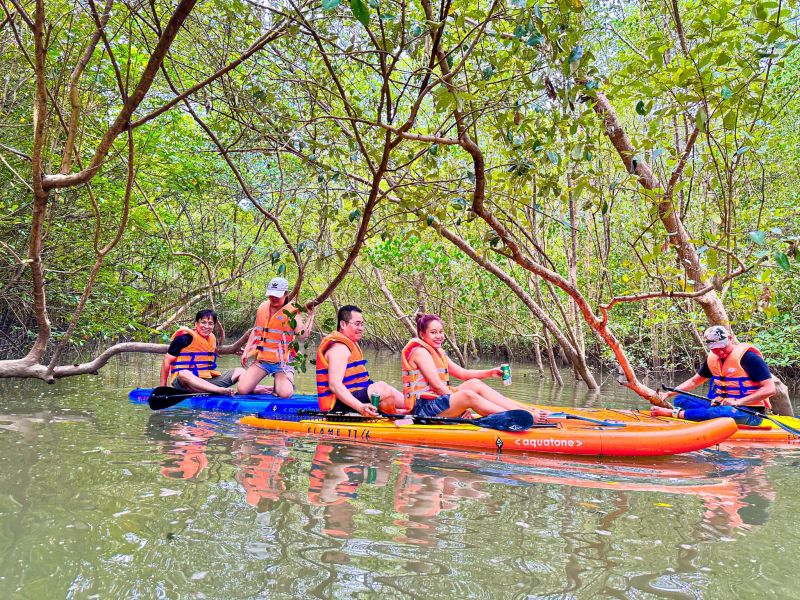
(509, 420)
(166, 396)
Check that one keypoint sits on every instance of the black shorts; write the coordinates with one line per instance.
(361, 395)
(224, 381)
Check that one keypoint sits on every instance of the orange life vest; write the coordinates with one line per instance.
(356, 376)
(728, 377)
(199, 357)
(414, 383)
(274, 335)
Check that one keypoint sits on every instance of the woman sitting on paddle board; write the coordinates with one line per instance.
(271, 342)
(426, 371)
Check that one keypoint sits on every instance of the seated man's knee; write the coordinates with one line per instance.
(184, 377)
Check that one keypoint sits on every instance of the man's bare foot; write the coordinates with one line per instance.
(264, 389)
(660, 411)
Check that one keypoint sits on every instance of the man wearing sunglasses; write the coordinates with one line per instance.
(738, 377)
(343, 383)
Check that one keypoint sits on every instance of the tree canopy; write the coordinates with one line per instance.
(597, 180)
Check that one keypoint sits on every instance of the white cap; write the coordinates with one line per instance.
(277, 287)
(716, 337)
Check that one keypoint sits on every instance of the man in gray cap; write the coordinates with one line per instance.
(738, 377)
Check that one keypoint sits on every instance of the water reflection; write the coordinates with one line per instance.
(425, 483)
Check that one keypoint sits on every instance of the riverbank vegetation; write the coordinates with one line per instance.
(568, 181)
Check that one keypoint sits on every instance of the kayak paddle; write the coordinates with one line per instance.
(509, 420)
(165, 396)
(744, 409)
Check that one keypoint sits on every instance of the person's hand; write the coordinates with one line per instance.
(468, 414)
(244, 360)
(230, 391)
(540, 416)
(367, 410)
(496, 372)
(664, 395)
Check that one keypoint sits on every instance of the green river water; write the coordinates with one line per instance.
(102, 498)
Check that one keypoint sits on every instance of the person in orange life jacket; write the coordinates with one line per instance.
(343, 382)
(271, 339)
(739, 377)
(191, 360)
(426, 370)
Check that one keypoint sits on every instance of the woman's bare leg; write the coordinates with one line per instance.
(250, 379)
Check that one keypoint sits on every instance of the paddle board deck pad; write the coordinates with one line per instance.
(246, 403)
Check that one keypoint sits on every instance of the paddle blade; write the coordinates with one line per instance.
(166, 396)
(509, 420)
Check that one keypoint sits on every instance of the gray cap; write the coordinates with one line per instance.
(277, 287)
(716, 336)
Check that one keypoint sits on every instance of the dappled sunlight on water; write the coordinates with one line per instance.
(103, 498)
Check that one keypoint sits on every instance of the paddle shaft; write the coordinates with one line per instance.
(744, 409)
(165, 396)
(503, 421)
(563, 415)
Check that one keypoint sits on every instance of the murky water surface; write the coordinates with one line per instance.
(101, 498)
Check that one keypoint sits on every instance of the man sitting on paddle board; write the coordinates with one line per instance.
(343, 383)
(739, 377)
(191, 360)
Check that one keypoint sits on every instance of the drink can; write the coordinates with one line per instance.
(375, 399)
(505, 368)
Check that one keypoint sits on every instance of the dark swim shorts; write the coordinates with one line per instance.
(432, 408)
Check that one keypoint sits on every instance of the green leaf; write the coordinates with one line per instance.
(726, 93)
(759, 237)
(354, 215)
(360, 11)
(700, 119)
(782, 260)
(742, 150)
(640, 108)
(576, 54)
(330, 4)
(553, 156)
(281, 269)
(433, 150)
(535, 40)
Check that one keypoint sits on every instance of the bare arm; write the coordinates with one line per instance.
(765, 389)
(337, 356)
(465, 374)
(302, 329)
(688, 385)
(423, 360)
(166, 365)
(248, 346)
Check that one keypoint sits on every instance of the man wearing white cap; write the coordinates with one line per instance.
(739, 377)
(272, 341)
